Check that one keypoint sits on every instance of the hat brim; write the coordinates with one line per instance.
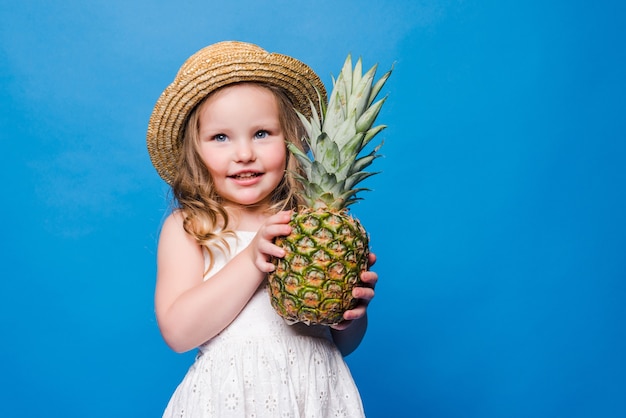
(214, 67)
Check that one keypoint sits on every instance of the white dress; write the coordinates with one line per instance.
(259, 366)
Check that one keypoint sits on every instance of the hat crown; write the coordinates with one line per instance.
(226, 51)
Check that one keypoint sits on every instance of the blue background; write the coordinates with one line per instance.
(498, 218)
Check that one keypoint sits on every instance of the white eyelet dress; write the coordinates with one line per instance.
(259, 366)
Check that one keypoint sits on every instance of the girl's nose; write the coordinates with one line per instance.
(244, 151)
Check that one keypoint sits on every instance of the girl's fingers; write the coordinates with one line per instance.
(342, 325)
(371, 259)
(280, 218)
(370, 278)
(364, 293)
(355, 313)
(265, 267)
(269, 249)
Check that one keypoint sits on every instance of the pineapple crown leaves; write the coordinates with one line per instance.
(337, 138)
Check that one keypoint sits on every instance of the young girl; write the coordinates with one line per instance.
(218, 136)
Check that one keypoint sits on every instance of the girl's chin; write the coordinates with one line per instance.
(252, 202)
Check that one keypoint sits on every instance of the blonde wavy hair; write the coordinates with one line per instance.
(204, 216)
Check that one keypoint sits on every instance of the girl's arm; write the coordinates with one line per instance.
(191, 311)
(348, 334)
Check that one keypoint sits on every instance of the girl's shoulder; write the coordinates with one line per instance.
(172, 223)
(173, 227)
(176, 216)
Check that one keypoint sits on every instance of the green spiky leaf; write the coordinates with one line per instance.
(337, 139)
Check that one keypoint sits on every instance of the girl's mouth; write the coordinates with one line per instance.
(245, 176)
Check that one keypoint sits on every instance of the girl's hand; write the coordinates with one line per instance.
(262, 246)
(364, 293)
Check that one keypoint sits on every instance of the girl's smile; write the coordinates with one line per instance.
(246, 178)
(242, 143)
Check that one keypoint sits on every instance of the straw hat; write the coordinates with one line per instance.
(207, 70)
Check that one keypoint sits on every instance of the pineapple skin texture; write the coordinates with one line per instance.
(325, 255)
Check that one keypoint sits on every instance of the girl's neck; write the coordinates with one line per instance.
(248, 218)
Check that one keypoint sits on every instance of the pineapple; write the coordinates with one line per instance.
(328, 249)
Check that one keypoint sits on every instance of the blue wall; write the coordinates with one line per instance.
(498, 218)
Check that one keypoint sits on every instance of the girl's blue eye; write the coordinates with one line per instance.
(261, 134)
(220, 138)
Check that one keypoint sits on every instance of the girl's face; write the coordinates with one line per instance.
(242, 144)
